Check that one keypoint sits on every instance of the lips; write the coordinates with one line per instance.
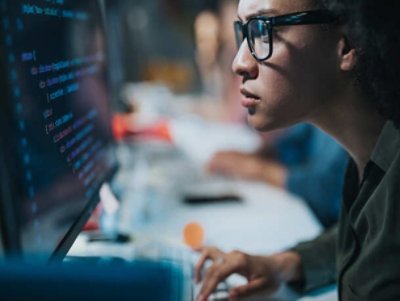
(249, 100)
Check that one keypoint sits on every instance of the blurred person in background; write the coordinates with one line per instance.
(206, 29)
(302, 160)
(215, 50)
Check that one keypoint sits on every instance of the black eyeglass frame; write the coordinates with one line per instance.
(321, 16)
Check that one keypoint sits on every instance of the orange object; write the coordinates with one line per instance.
(119, 126)
(159, 130)
(193, 235)
(123, 127)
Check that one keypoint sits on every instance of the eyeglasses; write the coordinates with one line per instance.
(258, 30)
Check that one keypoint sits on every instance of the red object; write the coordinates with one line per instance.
(122, 129)
(93, 223)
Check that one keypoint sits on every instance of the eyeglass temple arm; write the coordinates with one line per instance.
(303, 18)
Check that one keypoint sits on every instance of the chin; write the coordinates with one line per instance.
(262, 124)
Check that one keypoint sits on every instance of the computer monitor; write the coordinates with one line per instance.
(56, 146)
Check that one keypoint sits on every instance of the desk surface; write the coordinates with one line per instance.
(266, 221)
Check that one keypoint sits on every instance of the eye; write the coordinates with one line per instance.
(259, 31)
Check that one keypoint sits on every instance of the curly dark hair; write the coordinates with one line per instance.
(373, 28)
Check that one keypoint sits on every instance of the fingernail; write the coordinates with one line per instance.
(200, 298)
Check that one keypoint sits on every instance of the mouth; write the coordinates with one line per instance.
(249, 100)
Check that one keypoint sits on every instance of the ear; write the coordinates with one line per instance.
(347, 55)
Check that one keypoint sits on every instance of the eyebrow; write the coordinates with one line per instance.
(261, 12)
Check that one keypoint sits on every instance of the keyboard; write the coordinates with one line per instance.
(186, 258)
(168, 252)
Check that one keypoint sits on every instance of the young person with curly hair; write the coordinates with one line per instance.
(334, 64)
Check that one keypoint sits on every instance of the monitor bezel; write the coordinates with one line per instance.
(76, 228)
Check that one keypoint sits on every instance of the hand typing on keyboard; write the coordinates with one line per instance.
(263, 273)
(221, 293)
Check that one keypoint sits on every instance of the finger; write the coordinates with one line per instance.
(217, 164)
(208, 253)
(253, 287)
(214, 275)
(199, 249)
(199, 267)
(222, 154)
(224, 167)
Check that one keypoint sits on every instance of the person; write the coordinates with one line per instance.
(215, 50)
(206, 28)
(334, 64)
(302, 160)
(306, 161)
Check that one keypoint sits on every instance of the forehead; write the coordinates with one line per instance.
(250, 8)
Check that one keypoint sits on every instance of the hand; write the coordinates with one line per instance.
(264, 274)
(249, 167)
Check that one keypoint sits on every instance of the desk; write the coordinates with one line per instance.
(151, 180)
(268, 220)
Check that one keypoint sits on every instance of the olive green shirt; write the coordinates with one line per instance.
(363, 252)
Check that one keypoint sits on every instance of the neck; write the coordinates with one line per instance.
(356, 124)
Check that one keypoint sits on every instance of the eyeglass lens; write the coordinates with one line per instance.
(259, 38)
(258, 35)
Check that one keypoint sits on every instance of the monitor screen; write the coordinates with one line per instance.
(55, 123)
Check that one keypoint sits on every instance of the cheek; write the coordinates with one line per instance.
(295, 84)
(290, 95)
(286, 99)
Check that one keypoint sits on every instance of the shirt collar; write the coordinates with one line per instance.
(387, 147)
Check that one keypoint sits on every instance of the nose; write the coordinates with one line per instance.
(245, 64)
